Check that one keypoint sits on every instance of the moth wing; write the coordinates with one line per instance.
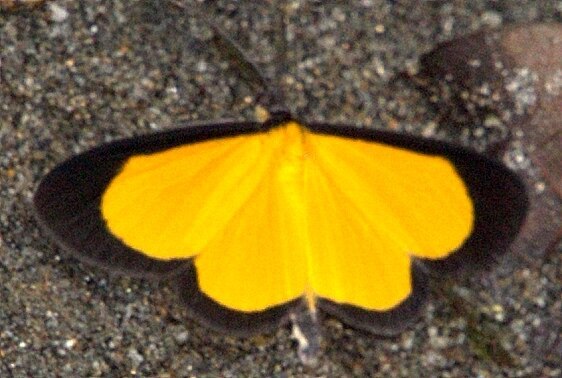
(68, 201)
(393, 203)
(203, 206)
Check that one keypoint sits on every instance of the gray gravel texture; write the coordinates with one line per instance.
(74, 74)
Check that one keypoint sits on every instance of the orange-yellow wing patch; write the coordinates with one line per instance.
(170, 204)
(272, 216)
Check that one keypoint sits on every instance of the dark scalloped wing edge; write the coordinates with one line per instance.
(213, 315)
(383, 323)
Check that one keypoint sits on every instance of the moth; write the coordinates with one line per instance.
(258, 221)
(254, 219)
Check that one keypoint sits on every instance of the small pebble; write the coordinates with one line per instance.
(58, 13)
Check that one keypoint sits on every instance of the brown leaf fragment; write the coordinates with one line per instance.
(509, 79)
(538, 48)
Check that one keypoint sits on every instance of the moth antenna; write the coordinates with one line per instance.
(270, 96)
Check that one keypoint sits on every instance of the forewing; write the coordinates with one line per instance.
(68, 201)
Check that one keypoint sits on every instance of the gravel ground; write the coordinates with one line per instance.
(76, 74)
